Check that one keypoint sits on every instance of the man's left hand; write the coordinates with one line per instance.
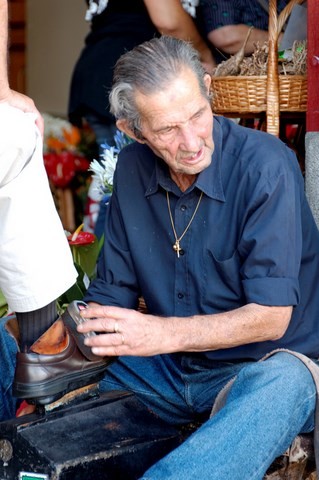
(123, 331)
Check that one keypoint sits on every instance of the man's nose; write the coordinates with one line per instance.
(188, 139)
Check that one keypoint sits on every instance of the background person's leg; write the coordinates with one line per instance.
(95, 209)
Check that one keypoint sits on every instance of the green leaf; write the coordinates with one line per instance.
(3, 305)
(86, 256)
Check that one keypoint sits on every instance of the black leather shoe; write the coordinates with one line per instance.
(42, 379)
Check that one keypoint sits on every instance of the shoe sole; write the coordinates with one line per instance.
(48, 392)
(71, 319)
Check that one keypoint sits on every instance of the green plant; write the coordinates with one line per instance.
(85, 248)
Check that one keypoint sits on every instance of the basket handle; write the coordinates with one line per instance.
(275, 26)
(272, 89)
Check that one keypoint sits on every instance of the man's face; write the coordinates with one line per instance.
(176, 124)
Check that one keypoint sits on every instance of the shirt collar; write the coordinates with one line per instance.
(209, 181)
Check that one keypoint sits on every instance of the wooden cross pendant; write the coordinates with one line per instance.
(177, 248)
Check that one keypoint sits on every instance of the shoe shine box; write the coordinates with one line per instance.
(112, 436)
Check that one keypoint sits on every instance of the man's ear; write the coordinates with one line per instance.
(207, 81)
(123, 125)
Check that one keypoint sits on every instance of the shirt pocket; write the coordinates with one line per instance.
(222, 284)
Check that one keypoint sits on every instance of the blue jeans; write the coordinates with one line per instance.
(268, 405)
(8, 351)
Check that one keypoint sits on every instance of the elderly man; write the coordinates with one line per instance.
(208, 221)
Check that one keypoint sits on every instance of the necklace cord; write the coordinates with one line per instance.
(176, 246)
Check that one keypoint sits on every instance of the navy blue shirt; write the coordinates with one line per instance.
(218, 13)
(253, 239)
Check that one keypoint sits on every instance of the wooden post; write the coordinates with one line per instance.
(313, 67)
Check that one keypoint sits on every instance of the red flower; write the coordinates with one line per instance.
(61, 167)
(81, 238)
(81, 163)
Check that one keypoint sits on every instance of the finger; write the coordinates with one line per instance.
(40, 124)
(106, 340)
(103, 311)
(98, 325)
(108, 351)
(111, 345)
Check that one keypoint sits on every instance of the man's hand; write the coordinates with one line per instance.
(24, 103)
(123, 331)
(128, 332)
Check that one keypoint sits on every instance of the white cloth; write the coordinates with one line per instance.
(36, 264)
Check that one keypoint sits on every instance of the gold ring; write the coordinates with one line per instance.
(116, 328)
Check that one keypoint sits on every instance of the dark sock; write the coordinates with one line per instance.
(33, 324)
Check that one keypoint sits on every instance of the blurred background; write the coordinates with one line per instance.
(46, 37)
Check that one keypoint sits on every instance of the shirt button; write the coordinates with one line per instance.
(180, 295)
(183, 208)
(181, 252)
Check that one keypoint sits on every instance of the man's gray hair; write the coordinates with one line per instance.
(149, 68)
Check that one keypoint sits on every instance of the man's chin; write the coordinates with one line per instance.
(196, 167)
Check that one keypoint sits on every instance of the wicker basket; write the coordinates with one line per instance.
(249, 94)
(271, 93)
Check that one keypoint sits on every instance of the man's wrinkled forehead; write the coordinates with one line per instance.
(169, 95)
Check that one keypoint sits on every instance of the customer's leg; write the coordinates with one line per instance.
(36, 267)
(35, 260)
(8, 350)
(268, 405)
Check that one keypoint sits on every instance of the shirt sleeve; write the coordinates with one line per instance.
(271, 242)
(116, 282)
(218, 14)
